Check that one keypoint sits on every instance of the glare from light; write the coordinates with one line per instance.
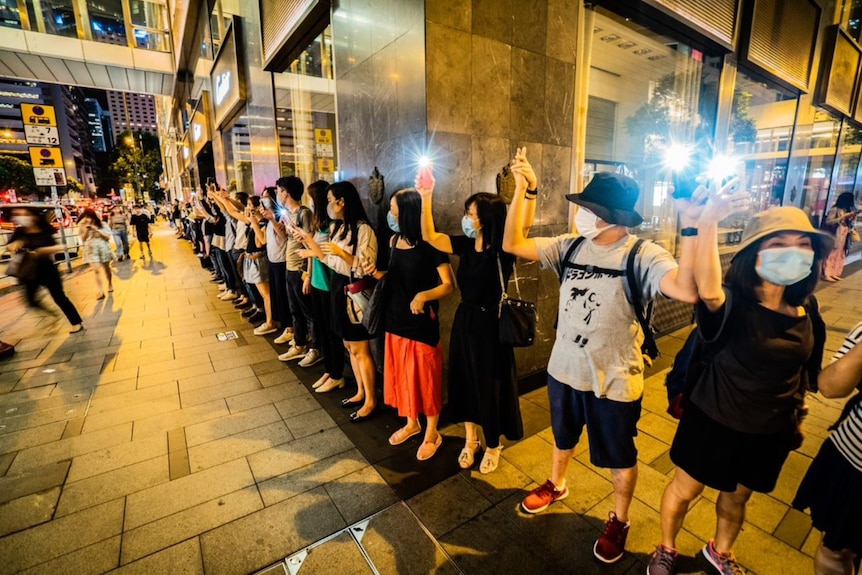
(677, 157)
(721, 167)
(424, 161)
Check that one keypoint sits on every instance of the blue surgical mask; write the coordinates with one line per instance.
(393, 223)
(785, 266)
(469, 229)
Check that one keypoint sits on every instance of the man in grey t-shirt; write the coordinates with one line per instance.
(595, 373)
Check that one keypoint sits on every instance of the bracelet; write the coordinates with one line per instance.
(688, 232)
(532, 193)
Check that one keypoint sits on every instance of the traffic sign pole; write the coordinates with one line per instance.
(58, 211)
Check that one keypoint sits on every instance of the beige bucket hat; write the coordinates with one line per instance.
(784, 219)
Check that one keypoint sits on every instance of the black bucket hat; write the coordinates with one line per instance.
(611, 197)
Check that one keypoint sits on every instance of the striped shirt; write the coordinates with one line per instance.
(848, 436)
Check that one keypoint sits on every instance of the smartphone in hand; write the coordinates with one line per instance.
(425, 177)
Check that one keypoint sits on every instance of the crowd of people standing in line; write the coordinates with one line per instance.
(741, 420)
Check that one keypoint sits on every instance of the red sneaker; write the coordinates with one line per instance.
(542, 496)
(610, 546)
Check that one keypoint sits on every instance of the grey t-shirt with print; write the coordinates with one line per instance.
(598, 335)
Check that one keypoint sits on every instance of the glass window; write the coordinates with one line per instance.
(59, 18)
(648, 95)
(9, 15)
(817, 147)
(305, 114)
(106, 21)
(851, 17)
(848, 161)
(758, 146)
(237, 151)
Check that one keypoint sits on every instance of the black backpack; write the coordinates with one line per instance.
(643, 311)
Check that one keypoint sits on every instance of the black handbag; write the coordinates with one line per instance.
(516, 317)
(372, 319)
(21, 265)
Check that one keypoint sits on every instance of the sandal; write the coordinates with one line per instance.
(468, 454)
(429, 448)
(402, 435)
(490, 460)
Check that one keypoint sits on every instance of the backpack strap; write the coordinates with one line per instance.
(635, 297)
(818, 326)
(576, 243)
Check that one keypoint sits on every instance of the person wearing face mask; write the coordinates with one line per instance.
(766, 347)
(483, 391)
(595, 372)
(35, 234)
(418, 276)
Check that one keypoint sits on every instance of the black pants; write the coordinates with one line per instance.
(278, 294)
(241, 286)
(329, 343)
(300, 309)
(48, 276)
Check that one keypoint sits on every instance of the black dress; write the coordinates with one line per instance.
(482, 386)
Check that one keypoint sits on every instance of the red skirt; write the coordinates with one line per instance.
(412, 377)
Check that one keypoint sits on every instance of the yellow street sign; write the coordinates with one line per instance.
(46, 157)
(322, 136)
(325, 165)
(38, 115)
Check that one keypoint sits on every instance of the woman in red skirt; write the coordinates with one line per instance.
(417, 277)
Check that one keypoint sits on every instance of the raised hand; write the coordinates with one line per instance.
(425, 181)
(725, 202)
(520, 165)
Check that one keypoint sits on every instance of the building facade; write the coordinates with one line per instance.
(131, 111)
(764, 90)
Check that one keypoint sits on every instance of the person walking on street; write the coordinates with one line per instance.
(34, 234)
(142, 222)
(119, 223)
(97, 253)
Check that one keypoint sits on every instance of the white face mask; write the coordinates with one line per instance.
(587, 223)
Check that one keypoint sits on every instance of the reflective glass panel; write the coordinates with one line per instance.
(9, 15)
(58, 17)
(106, 21)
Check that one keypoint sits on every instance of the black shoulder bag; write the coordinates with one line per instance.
(517, 318)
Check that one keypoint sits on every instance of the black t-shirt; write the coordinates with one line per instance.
(252, 247)
(754, 383)
(478, 277)
(31, 241)
(142, 224)
(411, 271)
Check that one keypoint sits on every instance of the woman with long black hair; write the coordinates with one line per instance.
(351, 242)
(34, 234)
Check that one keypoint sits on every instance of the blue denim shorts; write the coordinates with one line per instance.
(611, 425)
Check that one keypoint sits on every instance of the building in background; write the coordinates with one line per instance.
(131, 111)
(95, 122)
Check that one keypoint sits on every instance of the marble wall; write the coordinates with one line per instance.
(501, 74)
(466, 82)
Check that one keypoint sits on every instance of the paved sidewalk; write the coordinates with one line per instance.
(146, 445)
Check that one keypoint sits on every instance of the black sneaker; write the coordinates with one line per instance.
(249, 312)
(257, 318)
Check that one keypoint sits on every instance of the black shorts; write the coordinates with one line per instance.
(723, 458)
(611, 425)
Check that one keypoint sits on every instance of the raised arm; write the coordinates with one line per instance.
(707, 265)
(514, 240)
(425, 187)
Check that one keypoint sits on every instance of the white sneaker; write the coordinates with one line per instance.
(285, 337)
(264, 329)
(295, 352)
(221, 287)
(313, 357)
(227, 295)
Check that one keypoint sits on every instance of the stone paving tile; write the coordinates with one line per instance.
(117, 457)
(35, 405)
(169, 498)
(92, 560)
(298, 453)
(221, 363)
(65, 449)
(309, 423)
(191, 522)
(108, 402)
(531, 456)
(231, 424)
(254, 399)
(112, 485)
(59, 537)
(360, 494)
(272, 366)
(274, 378)
(237, 446)
(209, 379)
(212, 347)
(181, 559)
(130, 413)
(310, 477)
(794, 528)
(39, 376)
(301, 403)
(28, 511)
(336, 556)
(448, 505)
(118, 375)
(5, 462)
(224, 390)
(163, 423)
(172, 365)
(258, 540)
(493, 535)
(791, 476)
(658, 427)
(14, 397)
(202, 369)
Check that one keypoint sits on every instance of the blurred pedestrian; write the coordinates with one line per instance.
(142, 222)
(97, 253)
